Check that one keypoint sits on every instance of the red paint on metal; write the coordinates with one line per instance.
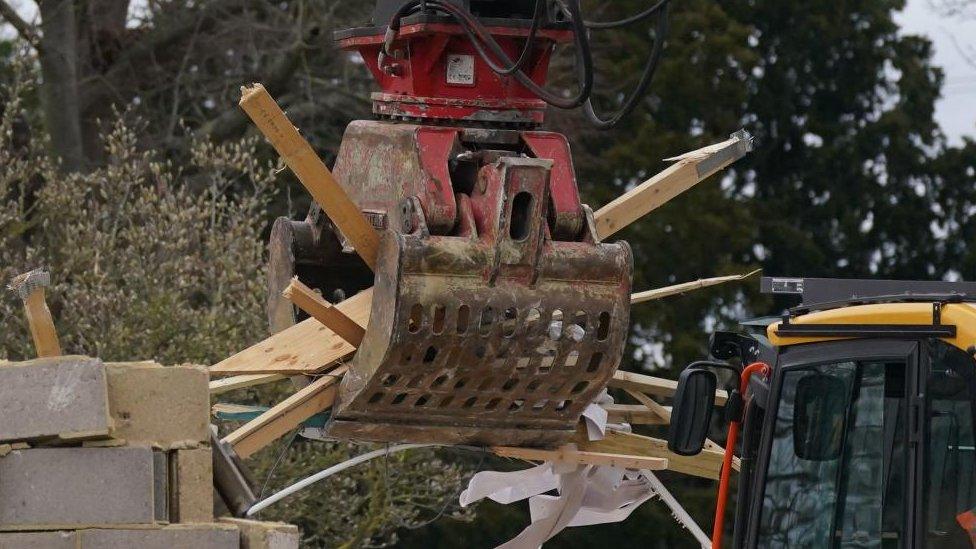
(415, 83)
(568, 214)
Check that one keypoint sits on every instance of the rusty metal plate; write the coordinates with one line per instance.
(455, 356)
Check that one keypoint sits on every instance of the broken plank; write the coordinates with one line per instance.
(678, 289)
(311, 171)
(286, 415)
(688, 171)
(656, 386)
(569, 454)
(306, 348)
(323, 311)
(228, 384)
(707, 464)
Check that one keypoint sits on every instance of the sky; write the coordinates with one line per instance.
(954, 39)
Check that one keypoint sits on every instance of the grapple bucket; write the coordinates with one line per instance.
(501, 336)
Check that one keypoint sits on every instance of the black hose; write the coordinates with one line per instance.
(627, 21)
(647, 76)
(529, 41)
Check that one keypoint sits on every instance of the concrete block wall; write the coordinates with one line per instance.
(104, 456)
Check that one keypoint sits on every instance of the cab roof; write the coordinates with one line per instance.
(845, 308)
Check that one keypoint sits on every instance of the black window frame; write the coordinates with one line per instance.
(857, 350)
(923, 434)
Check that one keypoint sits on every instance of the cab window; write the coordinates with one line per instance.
(838, 457)
(949, 486)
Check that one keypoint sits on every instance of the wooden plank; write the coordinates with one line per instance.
(656, 386)
(228, 384)
(286, 415)
(569, 454)
(635, 414)
(42, 325)
(30, 288)
(708, 464)
(311, 171)
(323, 311)
(661, 411)
(688, 171)
(306, 348)
(678, 289)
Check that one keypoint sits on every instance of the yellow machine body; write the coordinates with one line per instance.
(962, 315)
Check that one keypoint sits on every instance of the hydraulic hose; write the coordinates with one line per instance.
(650, 68)
(599, 25)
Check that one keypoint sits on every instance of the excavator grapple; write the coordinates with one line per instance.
(496, 335)
(497, 316)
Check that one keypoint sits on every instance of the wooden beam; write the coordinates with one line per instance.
(688, 171)
(707, 464)
(42, 324)
(312, 303)
(311, 171)
(228, 384)
(569, 454)
(678, 289)
(656, 386)
(306, 348)
(286, 415)
(635, 414)
(30, 287)
(661, 411)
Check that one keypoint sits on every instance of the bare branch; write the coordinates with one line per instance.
(26, 30)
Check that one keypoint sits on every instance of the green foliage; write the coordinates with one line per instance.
(142, 266)
(147, 266)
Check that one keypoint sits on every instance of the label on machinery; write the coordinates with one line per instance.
(460, 70)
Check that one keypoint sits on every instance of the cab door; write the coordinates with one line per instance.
(835, 460)
(947, 465)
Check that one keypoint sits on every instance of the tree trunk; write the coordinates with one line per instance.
(59, 86)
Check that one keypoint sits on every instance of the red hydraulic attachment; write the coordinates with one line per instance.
(498, 315)
(723, 485)
(436, 74)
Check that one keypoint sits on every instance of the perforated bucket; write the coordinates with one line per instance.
(456, 353)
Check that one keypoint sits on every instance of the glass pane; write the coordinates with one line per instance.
(800, 495)
(872, 479)
(950, 490)
(851, 496)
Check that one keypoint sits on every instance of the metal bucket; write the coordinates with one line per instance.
(500, 336)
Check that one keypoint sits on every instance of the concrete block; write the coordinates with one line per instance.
(162, 407)
(265, 535)
(62, 397)
(179, 536)
(69, 488)
(39, 540)
(192, 486)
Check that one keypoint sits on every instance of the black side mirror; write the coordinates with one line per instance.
(819, 408)
(692, 411)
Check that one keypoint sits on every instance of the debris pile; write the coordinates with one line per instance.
(113, 455)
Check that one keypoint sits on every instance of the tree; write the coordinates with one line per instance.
(147, 267)
(178, 62)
